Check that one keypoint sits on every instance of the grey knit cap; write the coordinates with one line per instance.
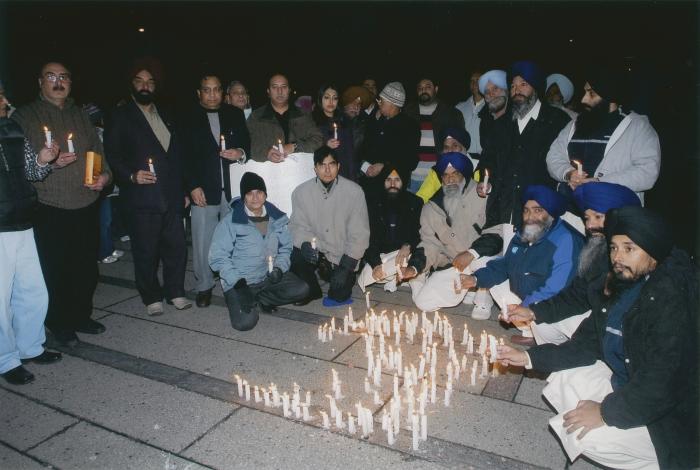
(394, 93)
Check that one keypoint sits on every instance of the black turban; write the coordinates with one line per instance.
(645, 228)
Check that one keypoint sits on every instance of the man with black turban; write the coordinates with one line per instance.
(541, 258)
(625, 386)
(609, 145)
(447, 227)
(556, 319)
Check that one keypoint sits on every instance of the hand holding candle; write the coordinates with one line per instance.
(223, 143)
(71, 148)
(47, 136)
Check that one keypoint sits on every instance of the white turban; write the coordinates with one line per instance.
(497, 77)
(565, 86)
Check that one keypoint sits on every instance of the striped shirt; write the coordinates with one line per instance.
(590, 149)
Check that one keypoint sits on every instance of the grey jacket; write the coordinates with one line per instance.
(632, 156)
(265, 131)
(336, 218)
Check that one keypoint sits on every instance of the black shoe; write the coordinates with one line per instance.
(268, 308)
(203, 298)
(65, 337)
(307, 300)
(18, 376)
(91, 327)
(47, 357)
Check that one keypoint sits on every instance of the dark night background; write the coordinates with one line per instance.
(654, 43)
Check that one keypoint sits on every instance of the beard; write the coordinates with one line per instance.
(593, 253)
(591, 119)
(520, 109)
(143, 97)
(496, 104)
(392, 194)
(425, 98)
(452, 199)
(534, 231)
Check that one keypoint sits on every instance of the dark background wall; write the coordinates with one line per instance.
(654, 43)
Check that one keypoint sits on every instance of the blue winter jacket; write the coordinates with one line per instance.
(539, 271)
(238, 249)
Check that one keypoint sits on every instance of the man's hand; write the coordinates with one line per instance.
(333, 143)
(378, 273)
(575, 180)
(48, 154)
(231, 154)
(462, 260)
(275, 276)
(288, 149)
(408, 273)
(374, 169)
(586, 416)
(511, 356)
(198, 197)
(518, 313)
(187, 202)
(274, 155)
(100, 183)
(64, 159)
(144, 177)
(467, 281)
(403, 255)
(483, 190)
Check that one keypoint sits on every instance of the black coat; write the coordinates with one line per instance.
(407, 230)
(660, 346)
(202, 161)
(17, 195)
(129, 142)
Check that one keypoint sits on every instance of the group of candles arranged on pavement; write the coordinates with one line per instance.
(419, 387)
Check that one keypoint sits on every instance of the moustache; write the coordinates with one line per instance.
(58, 88)
(620, 267)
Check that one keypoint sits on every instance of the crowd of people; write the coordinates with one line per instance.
(511, 189)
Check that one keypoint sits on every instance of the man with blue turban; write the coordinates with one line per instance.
(541, 258)
(448, 224)
(555, 320)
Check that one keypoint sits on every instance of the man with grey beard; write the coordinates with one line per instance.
(493, 86)
(541, 258)
(551, 322)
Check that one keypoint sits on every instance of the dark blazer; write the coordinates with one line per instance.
(201, 150)
(129, 142)
(660, 347)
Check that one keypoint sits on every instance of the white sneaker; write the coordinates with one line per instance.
(469, 298)
(390, 286)
(481, 312)
(482, 305)
(110, 259)
(117, 253)
(125, 238)
(155, 309)
(180, 303)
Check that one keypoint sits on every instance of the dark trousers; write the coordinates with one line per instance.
(67, 242)
(307, 273)
(157, 237)
(288, 290)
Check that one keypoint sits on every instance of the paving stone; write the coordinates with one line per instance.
(97, 314)
(501, 427)
(530, 393)
(85, 446)
(250, 439)
(271, 331)
(24, 423)
(106, 295)
(10, 459)
(153, 412)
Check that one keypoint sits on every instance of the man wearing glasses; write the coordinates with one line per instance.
(66, 224)
(330, 230)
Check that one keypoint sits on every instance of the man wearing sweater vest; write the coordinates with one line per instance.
(66, 224)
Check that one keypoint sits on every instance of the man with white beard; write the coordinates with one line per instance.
(553, 321)
(541, 258)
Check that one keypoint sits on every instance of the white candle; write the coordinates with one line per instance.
(239, 382)
(377, 400)
(396, 386)
(415, 430)
(484, 366)
(367, 299)
(223, 142)
(308, 399)
(385, 420)
(424, 427)
(339, 420)
(47, 136)
(297, 412)
(433, 389)
(280, 147)
(305, 413)
(320, 333)
(338, 393)
(472, 379)
(285, 404)
(579, 167)
(247, 390)
(447, 397)
(326, 421)
(150, 166)
(256, 393)
(313, 243)
(465, 335)
(492, 347)
(421, 366)
(464, 362)
(71, 148)
(335, 131)
(266, 397)
(486, 180)
(269, 264)
(390, 436)
(351, 424)
(350, 319)
(470, 344)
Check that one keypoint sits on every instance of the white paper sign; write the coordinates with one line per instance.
(280, 178)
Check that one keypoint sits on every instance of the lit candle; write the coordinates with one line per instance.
(308, 399)
(239, 382)
(396, 386)
(377, 400)
(47, 136)
(465, 335)
(390, 436)
(280, 147)
(433, 389)
(367, 299)
(486, 181)
(351, 424)
(71, 149)
(313, 243)
(484, 366)
(285, 404)
(150, 166)
(447, 396)
(421, 366)
(579, 167)
(269, 264)
(492, 347)
(472, 379)
(415, 430)
(266, 397)
(335, 131)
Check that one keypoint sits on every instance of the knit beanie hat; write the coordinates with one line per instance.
(250, 182)
(394, 93)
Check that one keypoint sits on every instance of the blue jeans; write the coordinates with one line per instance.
(23, 299)
(106, 242)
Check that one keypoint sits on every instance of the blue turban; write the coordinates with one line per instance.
(459, 162)
(531, 73)
(565, 86)
(553, 202)
(497, 77)
(460, 134)
(601, 197)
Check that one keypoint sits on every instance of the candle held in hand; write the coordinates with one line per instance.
(269, 264)
(47, 136)
(579, 167)
(280, 147)
(486, 181)
(335, 131)
(71, 148)
(151, 168)
(223, 142)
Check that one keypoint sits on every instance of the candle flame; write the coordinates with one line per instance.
(486, 172)
(70, 136)
(46, 129)
(150, 161)
(335, 125)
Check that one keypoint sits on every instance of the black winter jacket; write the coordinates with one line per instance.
(17, 196)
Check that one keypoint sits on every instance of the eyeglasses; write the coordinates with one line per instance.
(52, 77)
